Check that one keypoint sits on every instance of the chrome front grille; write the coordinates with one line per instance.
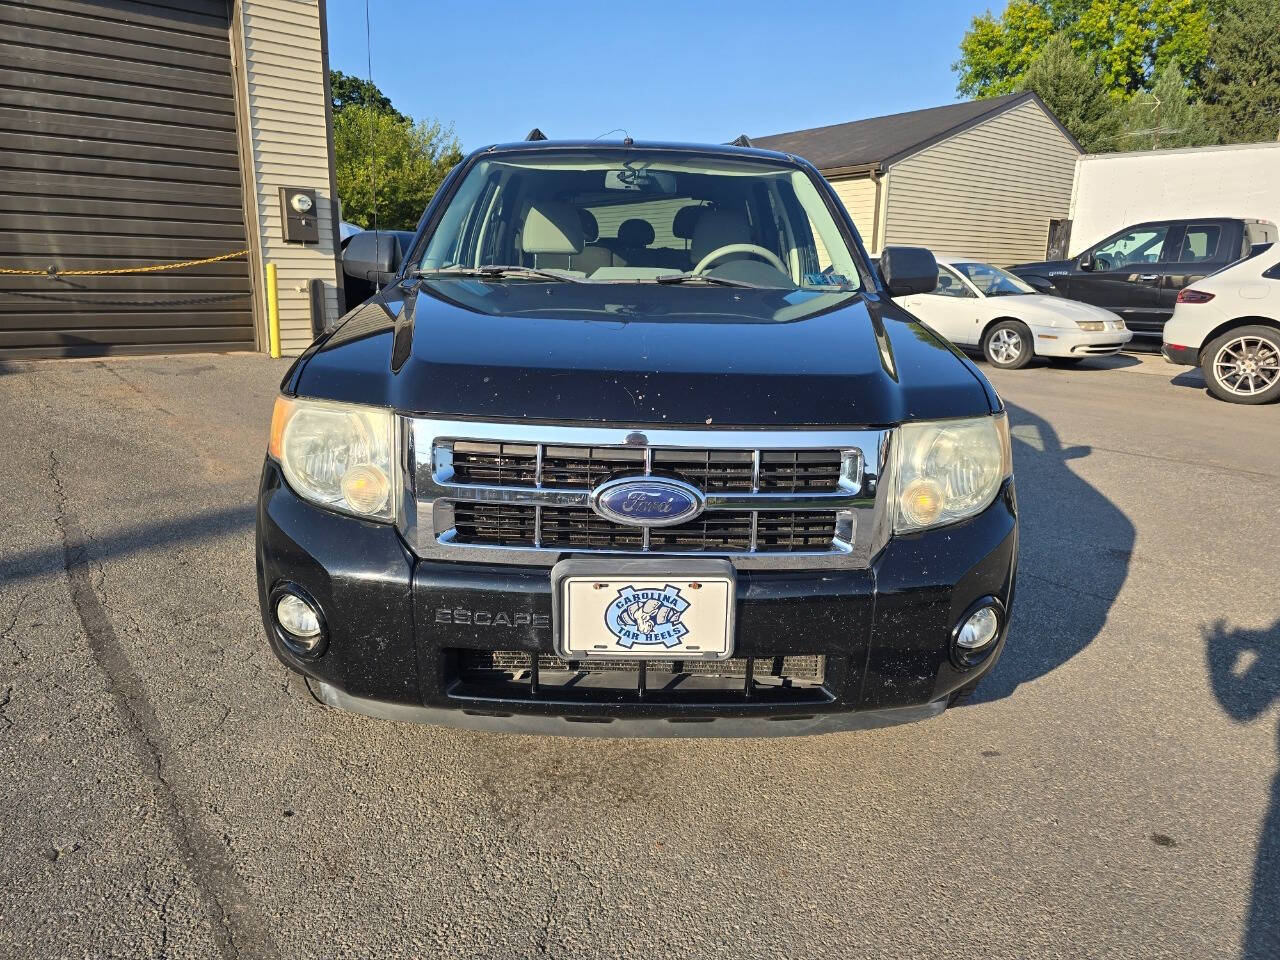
(521, 493)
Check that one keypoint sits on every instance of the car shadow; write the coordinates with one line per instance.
(1075, 546)
(1191, 377)
(1244, 671)
(1116, 361)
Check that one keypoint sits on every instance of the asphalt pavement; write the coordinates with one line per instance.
(167, 791)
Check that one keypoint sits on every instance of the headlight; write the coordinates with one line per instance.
(948, 470)
(1092, 326)
(339, 455)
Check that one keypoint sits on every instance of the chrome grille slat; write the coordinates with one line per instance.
(520, 493)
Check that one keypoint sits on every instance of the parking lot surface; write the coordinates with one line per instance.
(167, 791)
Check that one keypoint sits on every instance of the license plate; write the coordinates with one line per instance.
(647, 609)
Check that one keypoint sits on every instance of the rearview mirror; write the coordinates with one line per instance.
(372, 256)
(908, 270)
(1086, 261)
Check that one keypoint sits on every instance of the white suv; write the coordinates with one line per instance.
(1228, 324)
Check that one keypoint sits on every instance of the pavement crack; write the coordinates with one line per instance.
(236, 931)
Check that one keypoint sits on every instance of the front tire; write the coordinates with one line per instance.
(1243, 365)
(1007, 345)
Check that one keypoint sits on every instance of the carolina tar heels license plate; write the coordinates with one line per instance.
(647, 609)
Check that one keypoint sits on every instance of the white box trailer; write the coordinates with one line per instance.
(1115, 190)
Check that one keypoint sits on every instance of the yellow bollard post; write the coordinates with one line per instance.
(273, 311)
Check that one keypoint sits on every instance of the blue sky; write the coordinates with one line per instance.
(700, 71)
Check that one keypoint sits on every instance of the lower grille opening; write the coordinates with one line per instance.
(521, 675)
(580, 528)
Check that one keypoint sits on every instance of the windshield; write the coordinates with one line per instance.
(992, 281)
(636, 216)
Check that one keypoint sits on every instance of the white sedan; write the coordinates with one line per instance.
(978, 306)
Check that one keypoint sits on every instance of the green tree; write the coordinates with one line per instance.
(1242, 90)
(403, 160)
(348, 91)
(1131, 41)
(1072, 89)
(1165, 117)
(996, 52)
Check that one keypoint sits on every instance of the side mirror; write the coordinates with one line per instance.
(372, 256)
(908, 270)
(1087, 261)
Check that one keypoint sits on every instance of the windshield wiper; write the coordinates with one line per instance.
(706, 278)
(498, 272)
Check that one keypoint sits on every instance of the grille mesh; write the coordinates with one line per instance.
(580, 528)
(582, 468)
(809, 668)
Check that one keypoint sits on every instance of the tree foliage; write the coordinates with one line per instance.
(349, 91)
(403, 160)
(1075, 93)
(1130, 41)
(1166, 117)
(1177, 72)
(1242, 90)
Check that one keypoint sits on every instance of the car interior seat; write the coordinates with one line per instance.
(552, 234)
(718, 228)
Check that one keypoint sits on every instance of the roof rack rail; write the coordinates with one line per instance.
(742, 141)
(536, 134)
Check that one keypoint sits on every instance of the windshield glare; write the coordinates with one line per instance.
(632, 216)
(992, 281)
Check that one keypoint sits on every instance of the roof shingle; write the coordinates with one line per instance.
(882, 139)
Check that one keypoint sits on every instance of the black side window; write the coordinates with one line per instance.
(1139, 245)
(1200, 243)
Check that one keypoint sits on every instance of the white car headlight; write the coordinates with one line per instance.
(339, 455)
(947, 470)
(1092, 326)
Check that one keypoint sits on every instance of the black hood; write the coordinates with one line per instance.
(641, 354)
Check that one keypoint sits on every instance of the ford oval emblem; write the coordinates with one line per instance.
(646, 501)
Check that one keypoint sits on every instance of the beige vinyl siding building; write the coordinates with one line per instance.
(984, 178)
(284, 96)
(860, 197)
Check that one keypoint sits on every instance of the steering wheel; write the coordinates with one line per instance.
(729, 248)
(1103, 263)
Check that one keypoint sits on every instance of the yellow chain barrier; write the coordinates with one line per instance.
(153, 268)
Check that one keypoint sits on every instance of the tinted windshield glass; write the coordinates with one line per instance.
(634, 216)
(992, 281)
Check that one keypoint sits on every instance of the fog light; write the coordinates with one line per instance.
(295, 615)
(301, 626)
(979, 630)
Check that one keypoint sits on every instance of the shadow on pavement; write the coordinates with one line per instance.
(1191, 377)
(1244, 669)
(29, 564)
(1074, 551)
(1098, 364)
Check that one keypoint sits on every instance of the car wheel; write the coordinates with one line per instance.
(1007, 344)
(1243, 365)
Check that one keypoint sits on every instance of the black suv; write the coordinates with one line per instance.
(1138, 272)
(635, 442)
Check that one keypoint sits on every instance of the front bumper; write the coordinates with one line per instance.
(1057, 342)
(402, 631)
